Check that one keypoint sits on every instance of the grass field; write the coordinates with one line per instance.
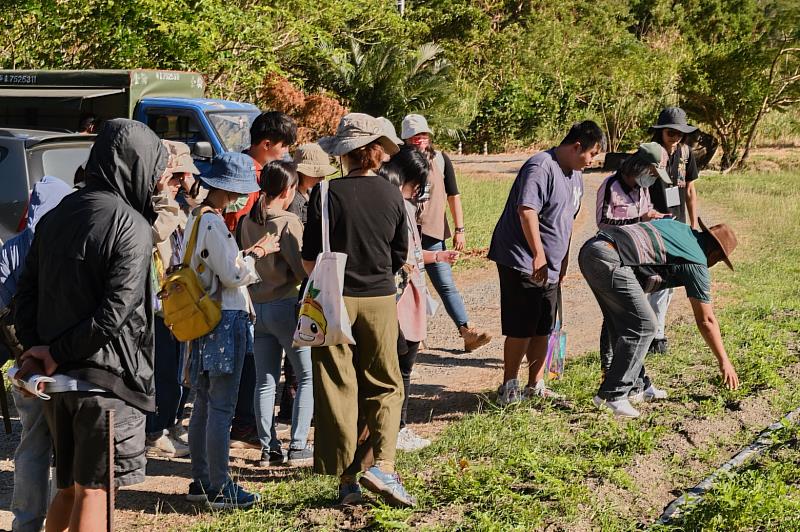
(534, 466)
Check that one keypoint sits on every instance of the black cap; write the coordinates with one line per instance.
(674, 118)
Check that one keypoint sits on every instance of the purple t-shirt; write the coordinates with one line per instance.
(542, 186)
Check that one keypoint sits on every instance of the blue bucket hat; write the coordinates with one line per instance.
(232, 172)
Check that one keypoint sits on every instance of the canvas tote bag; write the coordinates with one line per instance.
(323, 318)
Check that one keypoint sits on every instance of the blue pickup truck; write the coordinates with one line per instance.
(172, 103)
(40, 111)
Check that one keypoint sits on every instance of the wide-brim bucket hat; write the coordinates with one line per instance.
(232, 172)
(674, 118)
(389, 130)
(356, 130)
(725, 237)
(312, 161)
(414, 125)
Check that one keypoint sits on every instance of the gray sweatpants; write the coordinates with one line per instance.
(629, 318)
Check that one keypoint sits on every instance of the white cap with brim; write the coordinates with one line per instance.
(414, 125)
(356, 130)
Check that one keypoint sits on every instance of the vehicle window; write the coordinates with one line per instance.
(13, 189)
(233, 128)
(178, 127)
(63, 162)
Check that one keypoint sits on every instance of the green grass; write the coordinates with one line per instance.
(483, 199)
(532, 465)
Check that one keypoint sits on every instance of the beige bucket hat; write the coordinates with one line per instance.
(389, 130)
(180, 157)
(355, 131)
(312, 161)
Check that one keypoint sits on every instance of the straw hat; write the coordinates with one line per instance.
(356, 130)
(312, 161)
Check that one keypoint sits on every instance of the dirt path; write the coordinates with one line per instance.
(447, 382)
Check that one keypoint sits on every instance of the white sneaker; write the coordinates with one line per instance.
(509, 393)
(166, 447)
(408, 441)
(540, 390)
(179, 432)
(651, 393)
(621, 408)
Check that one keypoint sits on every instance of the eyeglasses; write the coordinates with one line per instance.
(674, 133)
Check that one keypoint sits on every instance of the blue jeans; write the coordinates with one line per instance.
(441, 276)
(628, 318)
(214, 404)
(274, 329)
(32, 461)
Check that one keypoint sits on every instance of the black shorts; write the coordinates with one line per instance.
(526, 310)
(77, 423)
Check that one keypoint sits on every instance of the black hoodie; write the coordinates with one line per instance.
(85, 291)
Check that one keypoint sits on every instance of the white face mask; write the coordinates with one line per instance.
(646, 180)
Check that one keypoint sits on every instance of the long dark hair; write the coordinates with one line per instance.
(408, 166)
(276, 177)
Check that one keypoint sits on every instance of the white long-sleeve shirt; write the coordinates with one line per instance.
(221, 267)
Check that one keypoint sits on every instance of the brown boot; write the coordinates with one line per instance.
(473, 338)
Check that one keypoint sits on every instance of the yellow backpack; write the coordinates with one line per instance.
(188, 310)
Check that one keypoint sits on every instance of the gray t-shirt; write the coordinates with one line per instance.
(542, 186)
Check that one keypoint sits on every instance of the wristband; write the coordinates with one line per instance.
(436, 256)
(460, 230)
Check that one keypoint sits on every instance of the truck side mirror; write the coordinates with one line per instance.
(203, 150)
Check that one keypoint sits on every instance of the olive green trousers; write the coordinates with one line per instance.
(358, 392)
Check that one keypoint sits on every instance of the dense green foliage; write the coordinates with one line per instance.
(508, 73)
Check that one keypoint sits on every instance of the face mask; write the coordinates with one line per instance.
(646, 180)
(239, 204)
(421, 143)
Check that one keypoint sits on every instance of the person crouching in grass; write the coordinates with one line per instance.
(623, 264)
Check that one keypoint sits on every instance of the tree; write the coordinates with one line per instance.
(742, 71)
(387, 79)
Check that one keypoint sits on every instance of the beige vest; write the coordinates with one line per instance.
(432, 214)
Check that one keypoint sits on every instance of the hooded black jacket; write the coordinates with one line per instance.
(86, 290)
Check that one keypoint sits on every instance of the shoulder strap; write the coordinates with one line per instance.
(323, 196)
(189, 251)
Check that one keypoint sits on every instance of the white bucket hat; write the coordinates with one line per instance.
(414, 125)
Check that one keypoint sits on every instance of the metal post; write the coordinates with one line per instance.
(4, 406)
(110, 494)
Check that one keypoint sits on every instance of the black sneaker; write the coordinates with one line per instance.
(658, 346)
(301, 457)
(271, 458)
